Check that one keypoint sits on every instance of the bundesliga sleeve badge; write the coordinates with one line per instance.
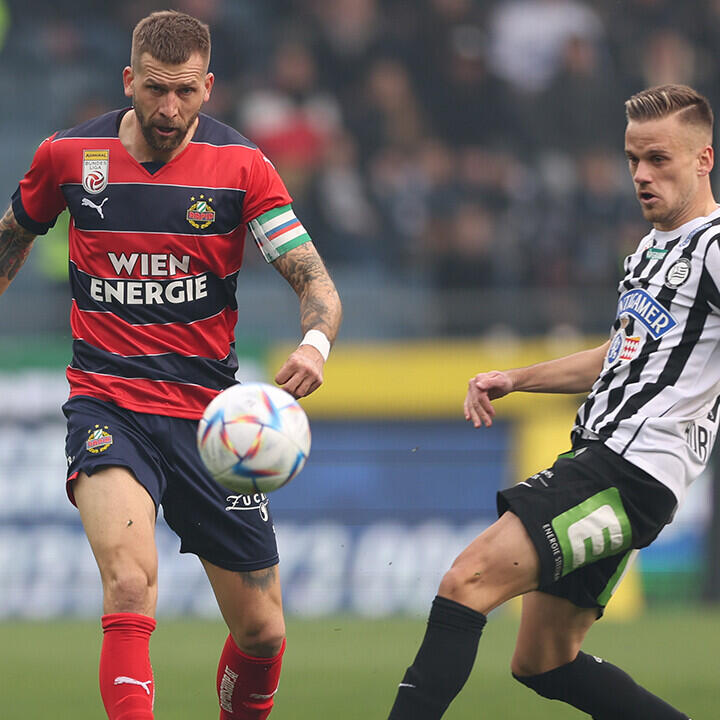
(96, 164)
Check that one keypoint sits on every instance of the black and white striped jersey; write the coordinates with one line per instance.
(656, 400)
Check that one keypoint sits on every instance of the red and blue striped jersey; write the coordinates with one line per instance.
(154, 258)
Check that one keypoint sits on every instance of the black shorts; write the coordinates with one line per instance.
(585, 516)
(234, 532)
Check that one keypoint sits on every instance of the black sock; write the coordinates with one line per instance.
(442, 664)
(600, 689)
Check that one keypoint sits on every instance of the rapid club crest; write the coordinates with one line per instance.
(200, 214)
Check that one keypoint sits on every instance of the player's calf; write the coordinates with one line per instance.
(247, 684)
(600, 689)
(442, 664)
(126, 678)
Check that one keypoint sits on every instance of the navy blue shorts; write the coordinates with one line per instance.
(234, 532)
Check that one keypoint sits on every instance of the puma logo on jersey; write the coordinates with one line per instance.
(86, 202)
(122, 680)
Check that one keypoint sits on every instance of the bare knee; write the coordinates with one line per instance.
(498, 565)
(260, 637)
(128, 586)
(524, 667)
(529, 665)
(474, 580)
(463, 583)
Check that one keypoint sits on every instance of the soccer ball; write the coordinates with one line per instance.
(253, 438)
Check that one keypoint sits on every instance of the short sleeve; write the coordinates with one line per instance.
(38, 200)
(265, 190)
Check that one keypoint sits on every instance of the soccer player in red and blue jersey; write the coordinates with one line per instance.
(160, 197)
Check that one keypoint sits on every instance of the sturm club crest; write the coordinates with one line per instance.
(677, 274)
(99, 439)
(96, 164)
(200, 214)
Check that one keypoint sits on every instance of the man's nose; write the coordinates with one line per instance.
(169, 105)
(642, 174)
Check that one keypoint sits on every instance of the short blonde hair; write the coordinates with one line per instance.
(664, 100)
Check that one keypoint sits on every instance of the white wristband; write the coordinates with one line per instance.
(318, 340)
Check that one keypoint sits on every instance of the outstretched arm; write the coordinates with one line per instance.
(320, 309)
(570, 374)
(15, 244)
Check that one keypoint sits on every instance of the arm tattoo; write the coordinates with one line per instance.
(260, 579)
(320, 306)
(15, 244)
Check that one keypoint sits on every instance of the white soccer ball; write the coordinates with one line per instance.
(253, 438)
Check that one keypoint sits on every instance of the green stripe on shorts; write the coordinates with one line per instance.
(604, 597)
(596, 528)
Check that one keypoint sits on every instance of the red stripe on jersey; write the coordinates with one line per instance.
(123, 218)
(199, 165)
(223, 164)
(208, 338)
(102, 254)
(140, 395)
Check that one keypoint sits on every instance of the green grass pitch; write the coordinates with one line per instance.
(346, 667)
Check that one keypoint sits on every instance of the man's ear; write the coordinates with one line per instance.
(209, 82)
(128, 76)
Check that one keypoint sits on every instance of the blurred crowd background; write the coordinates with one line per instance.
(459, 163)
(460, 166)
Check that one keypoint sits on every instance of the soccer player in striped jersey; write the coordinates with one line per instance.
(564, 536)
(160, 196)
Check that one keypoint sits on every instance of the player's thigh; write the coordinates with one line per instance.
(115, 477)
(499, 564)
(581, 510)
(251, 604)
(118, 515)
(229, 530)
(552, 630)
